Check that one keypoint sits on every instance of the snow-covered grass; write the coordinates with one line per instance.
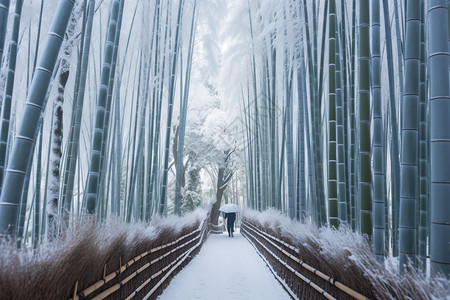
(84, 254)
(346, 257)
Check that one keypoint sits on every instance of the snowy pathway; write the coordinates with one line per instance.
(225, 268)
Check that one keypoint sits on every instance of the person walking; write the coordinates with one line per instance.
(230, 217)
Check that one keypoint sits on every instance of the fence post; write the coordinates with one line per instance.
(75, 297)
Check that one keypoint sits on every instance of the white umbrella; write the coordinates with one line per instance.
(230, 207)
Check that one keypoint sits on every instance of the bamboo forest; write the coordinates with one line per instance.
(134, 134)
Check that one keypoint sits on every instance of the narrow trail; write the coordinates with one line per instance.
(225, 268)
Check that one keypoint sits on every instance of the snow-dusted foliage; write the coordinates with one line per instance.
(57, 120)
(346, 257)
(85, 252)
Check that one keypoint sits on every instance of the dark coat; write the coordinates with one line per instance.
(231, 217)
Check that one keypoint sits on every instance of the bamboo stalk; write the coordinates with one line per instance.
(4, 10)
(439, 96)
(23, 144)
(94, 179)
(410, 140)
(332, 148)
(7, 97)
(163, 200)
(364, 172)
(378, 189)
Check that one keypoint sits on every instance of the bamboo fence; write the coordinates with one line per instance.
(146, 275)
(301, 280)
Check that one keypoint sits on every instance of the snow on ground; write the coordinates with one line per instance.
(225, 268)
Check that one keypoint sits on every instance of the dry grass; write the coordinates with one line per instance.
(50, 272)
(346, 257)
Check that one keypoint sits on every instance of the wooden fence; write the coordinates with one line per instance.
(146, 275)
(301, 280)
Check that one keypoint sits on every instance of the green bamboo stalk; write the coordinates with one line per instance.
(423, 148)
(257, 150)
(304, 126)
(151, 132)
(294, 199)
(274, 196)
(23, 210)
(37, 195)
(137, 168)
(410, 139)
(264, 138)
(248, 142)
(395, 157)
(78, 110)
(306, 192)
(36, 50)
(345, 79)
(438, 61)
(340, 130)
(352, 153)
(183, 112)
(30, 212)
(364, 172)
(152, 186)
(318, 119)
(400, 46)
(4, 10)
(103, 190)
(313, 87)
(163, 200)
(280, 187)
(378, 185)
(332, 161)
(107, 121)
(116, 195)
(131, 134)
(93, 181)
(7, 98)
(396, 196)
(155, 176)
(130, 203)
(23, 143)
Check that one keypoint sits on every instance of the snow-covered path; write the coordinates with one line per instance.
(225, 268)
